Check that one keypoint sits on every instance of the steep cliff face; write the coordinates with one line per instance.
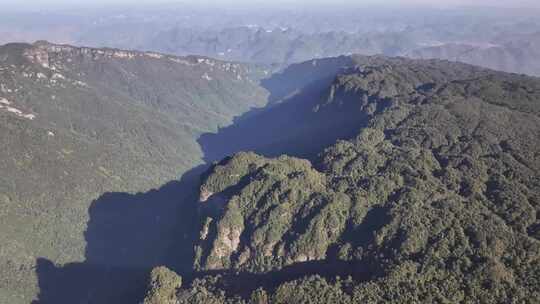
(262, 199)
(436, 199)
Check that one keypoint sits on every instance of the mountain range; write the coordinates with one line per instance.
(143, 177)
(502, 39)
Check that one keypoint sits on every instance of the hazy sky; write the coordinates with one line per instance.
(44, 4)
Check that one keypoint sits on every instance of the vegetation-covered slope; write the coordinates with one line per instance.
(79, 122)
(435, 200)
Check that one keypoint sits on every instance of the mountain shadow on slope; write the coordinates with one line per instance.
(298, 76)
(127, 235)
(305, 115)
(244, 283)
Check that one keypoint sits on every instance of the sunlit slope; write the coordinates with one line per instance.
(79, 122)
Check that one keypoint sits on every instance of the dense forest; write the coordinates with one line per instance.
(434, 200)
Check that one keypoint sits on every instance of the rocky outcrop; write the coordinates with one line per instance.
(54, 56)
(163, 286)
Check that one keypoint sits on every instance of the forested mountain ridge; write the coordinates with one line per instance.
(79, 122)
(436, 199)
